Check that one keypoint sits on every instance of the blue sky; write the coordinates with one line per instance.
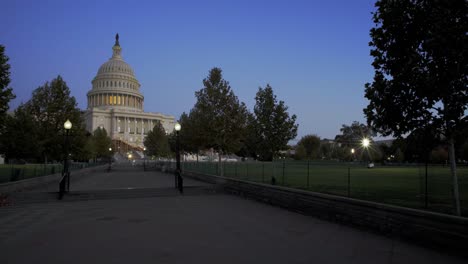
(314, 54)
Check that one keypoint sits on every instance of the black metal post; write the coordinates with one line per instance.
(308, 168)
(67, 169)
(65, 181)
(426, 200)
(179, 180)
(110, 161)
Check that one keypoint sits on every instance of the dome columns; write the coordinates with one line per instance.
(115, 99)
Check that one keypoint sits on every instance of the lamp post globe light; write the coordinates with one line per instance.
(65, 181)
(366, 143)
(178, 174)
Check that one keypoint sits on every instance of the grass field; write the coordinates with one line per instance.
(399, 185)
(16, 172)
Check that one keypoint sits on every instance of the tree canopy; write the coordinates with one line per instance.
(420, 59)
(156, 142)
(6, 93)
(101, 143)
(51, 105)
(309, 147)
(20, 137)
(352, 135)
(222, 115)
(35, 131)
(272, 126)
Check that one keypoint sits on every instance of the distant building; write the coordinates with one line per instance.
(387, 142)
(116, 104)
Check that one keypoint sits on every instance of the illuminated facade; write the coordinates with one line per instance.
(116, 104)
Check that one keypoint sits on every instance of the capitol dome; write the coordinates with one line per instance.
(115, 85)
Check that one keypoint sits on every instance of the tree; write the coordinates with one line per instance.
(101, 143)
(156, 142)
(273, 127)
(311, 145)
(251, 139)
(190, 134)
(222, 116)
(51, 105)
(420, 61)
(20, 137)
(352, 136)
(6, 93)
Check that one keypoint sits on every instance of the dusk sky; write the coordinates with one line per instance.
(314, 54)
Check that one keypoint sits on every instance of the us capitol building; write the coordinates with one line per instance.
(116, 104)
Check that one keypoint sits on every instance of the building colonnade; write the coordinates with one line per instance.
(107, 99)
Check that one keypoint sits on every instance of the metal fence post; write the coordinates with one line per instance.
(308, 169)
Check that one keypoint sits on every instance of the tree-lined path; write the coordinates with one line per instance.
(196, 227)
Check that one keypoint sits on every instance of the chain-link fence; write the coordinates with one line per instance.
(415, 186)
(16, 172)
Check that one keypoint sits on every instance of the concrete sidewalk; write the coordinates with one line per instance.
(197, 227)
(122, 176)
(189, 229)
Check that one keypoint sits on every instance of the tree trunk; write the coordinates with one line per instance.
(453, 169)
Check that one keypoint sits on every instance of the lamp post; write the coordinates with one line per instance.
(352, 153)
(178, 180)
(129, 156)
(65, 181)
(366, 143)
(110, 159)
(144, 159)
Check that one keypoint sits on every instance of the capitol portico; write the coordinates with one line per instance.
(116, 104)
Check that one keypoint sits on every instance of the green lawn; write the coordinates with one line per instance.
(16, 172)
(399, 185)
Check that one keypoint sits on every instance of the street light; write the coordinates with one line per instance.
(365, 142)
(110, 159)
(352, 153)
(144, 160)
(66, 173)
(178, 181)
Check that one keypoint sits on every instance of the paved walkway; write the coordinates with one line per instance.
(214, 228)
